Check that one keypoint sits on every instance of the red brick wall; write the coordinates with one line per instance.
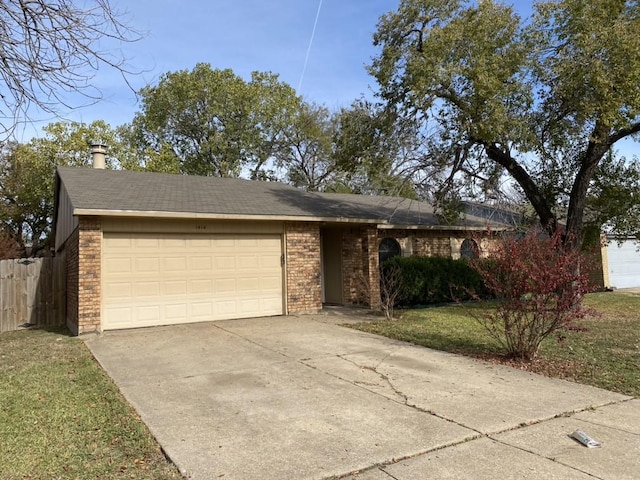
(304, 293)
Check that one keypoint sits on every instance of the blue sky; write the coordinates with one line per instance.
(244, 35)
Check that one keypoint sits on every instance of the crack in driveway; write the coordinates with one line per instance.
(405, 398)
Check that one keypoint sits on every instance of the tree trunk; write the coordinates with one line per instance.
(588, 161)
(540, 205)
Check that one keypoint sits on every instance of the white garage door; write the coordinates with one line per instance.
(162, 279)
(624, 264)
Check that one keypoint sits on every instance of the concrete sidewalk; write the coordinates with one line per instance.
(303, 398)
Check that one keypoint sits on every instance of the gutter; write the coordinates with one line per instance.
(214, 216)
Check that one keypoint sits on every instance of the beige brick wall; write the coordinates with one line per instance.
(435, 243)
(83, 259)
(372, 266)
(89, 271)
(360, 269)
(353, 276)
(431, 243)
(304, 293)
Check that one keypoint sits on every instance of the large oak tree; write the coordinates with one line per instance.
(543, 99)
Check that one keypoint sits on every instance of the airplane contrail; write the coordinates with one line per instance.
(313, 34)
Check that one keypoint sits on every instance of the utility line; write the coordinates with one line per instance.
(313, 34)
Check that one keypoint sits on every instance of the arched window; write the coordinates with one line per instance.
(389, 248)
(469, 249)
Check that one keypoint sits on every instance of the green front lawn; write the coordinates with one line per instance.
(606, 354)
(61, 416)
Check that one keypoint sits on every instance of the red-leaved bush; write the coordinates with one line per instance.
(539, 283)
(9, 248)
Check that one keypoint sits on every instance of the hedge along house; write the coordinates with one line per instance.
(145, 249)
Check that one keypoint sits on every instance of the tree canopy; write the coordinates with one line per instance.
(213, 122)
(27, 177)
(542, 100)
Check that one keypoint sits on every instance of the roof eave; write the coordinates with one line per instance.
(215, 216)
(280, 218)
(387, 226)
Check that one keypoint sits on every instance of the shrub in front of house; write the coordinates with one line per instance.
(431, 280)
(539, 282)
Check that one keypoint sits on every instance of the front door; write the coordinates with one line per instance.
(332, 265)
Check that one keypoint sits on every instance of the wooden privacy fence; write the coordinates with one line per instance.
(32, 292)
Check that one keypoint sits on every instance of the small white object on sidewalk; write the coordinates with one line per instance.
(585, 439)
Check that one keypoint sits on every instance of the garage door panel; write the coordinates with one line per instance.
(149, 243)
(115, 244)
(175, 287)
(116, 265)
(222, 243)
(252, 285)
(224, 263)
(159, 279)
(249, 306)
(119, 290)
(624, 264)
(226, 308)
(198, 287)
(174, 264)
(177, 312)
(268, 304)
(199, 244)
(270, 284)
(248, 262)
(123, 315)
(146, 289)
(225, 285)
(149, 265)
(147, 314)
(200, 263)
(201, 309)
(272, 261)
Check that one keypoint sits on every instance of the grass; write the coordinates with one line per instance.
(605, 352)
(61, 416)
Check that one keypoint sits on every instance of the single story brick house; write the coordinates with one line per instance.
(145, 249)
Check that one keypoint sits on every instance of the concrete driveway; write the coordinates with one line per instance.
(304, 398)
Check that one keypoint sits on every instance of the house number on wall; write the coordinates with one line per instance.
(201, 227)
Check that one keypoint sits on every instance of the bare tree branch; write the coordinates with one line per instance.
(51, 48)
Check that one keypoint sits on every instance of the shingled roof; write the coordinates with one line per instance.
(119, 192)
